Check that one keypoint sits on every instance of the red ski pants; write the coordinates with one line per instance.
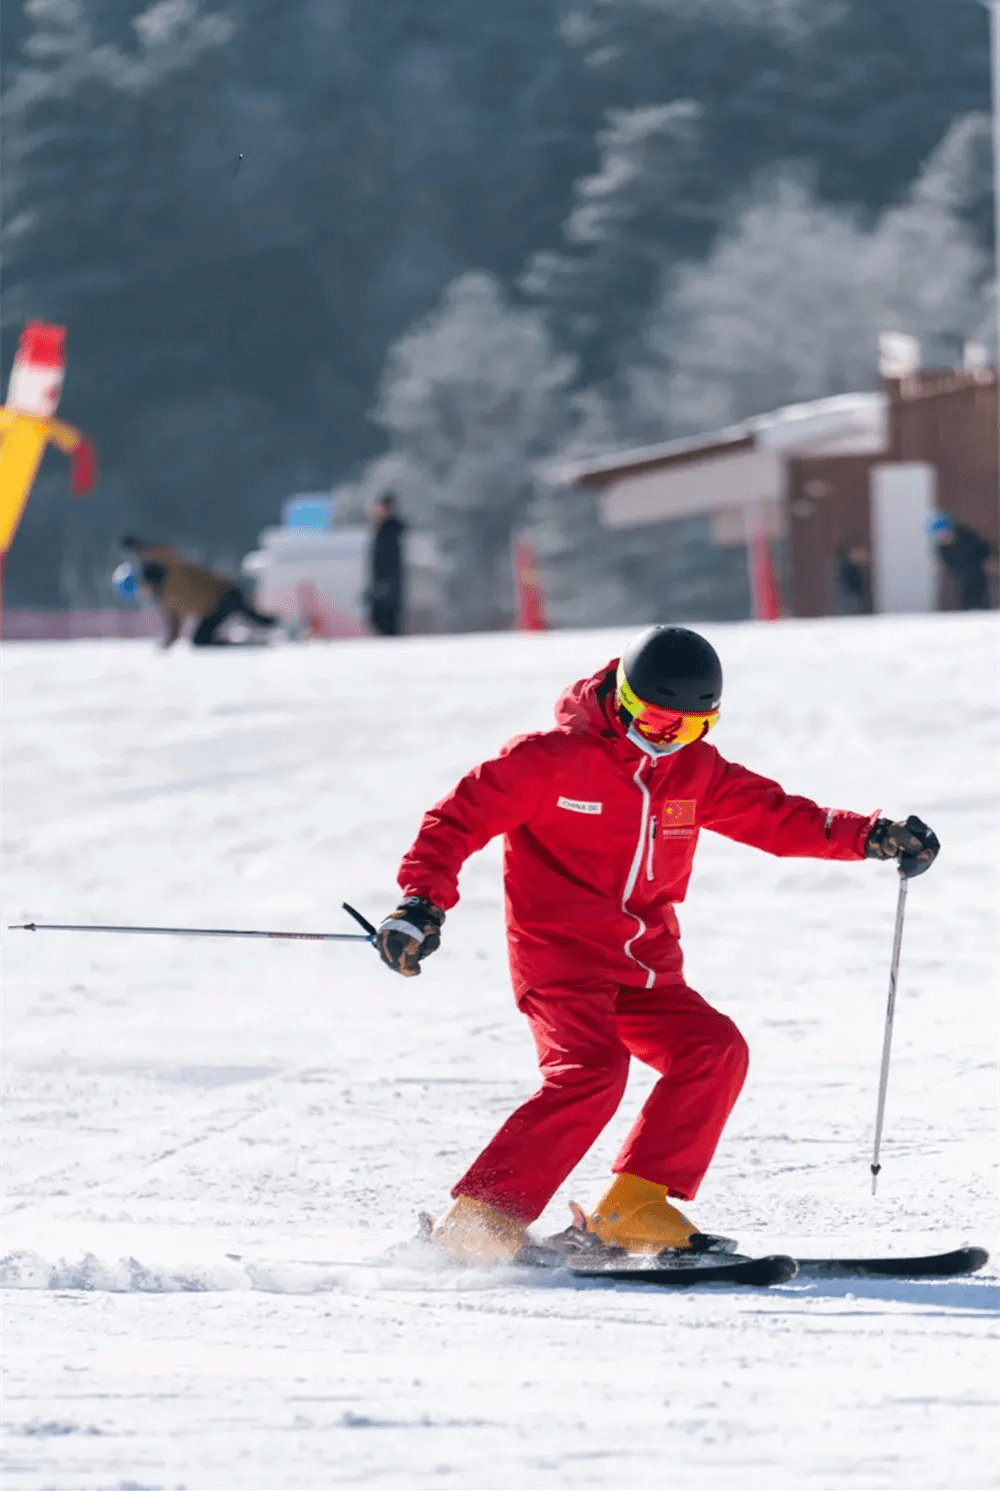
(585, 1037)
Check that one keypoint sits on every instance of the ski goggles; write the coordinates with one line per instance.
(658, 725)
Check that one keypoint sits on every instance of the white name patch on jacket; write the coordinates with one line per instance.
(576, 806)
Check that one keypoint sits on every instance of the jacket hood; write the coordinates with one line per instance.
(588, 706)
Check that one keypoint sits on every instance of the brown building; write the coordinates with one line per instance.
(945, 422)
(853, 475)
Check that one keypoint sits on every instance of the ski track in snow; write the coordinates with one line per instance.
(214, 1152)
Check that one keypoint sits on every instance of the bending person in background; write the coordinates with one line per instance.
(385, 590)
(184, 590)
(964, 553)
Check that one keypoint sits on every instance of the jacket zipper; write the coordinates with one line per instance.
(652, 841)
(633, 875)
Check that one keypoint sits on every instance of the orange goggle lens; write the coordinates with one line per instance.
(663, 726)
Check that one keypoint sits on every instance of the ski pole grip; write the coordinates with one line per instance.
(362, 921)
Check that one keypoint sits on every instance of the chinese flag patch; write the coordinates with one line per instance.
(681, 813)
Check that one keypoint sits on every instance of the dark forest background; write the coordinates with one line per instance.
(246, 213)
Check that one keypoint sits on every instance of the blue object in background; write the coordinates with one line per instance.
(127, 582)
(938, 523)
(309, 510)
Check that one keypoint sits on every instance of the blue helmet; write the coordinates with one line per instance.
(127, 582)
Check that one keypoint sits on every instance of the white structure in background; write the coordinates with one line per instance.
(904, 563)
(314, 575)
(898, 354)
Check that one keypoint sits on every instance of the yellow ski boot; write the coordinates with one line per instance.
(635, 1214)
(472, 1232)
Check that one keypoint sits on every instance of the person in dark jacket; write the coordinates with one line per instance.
(964, 553)
(853, 570)
(184, 590)
(385, 590)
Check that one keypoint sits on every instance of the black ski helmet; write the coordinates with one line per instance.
(675, 669)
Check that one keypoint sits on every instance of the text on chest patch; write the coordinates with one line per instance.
(576, 805)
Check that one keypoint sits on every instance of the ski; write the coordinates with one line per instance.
(776, 1269)
(715, 1261)
(951, 1265)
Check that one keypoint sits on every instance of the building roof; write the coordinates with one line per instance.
(849, 423)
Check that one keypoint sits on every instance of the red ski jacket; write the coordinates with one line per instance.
(600, 839)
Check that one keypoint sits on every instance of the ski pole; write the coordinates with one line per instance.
(883, 1080)
(193, 932)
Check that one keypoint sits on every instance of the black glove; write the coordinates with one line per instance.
(912, 844)
(410, 933)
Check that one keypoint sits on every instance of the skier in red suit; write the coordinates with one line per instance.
(601, 818)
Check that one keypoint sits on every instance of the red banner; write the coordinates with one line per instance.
(765, 592)
(527, 590)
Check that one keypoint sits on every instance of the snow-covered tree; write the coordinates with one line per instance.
(957, 177)
(471, 399)
(789, 304)
(588, 575)
(648, 204)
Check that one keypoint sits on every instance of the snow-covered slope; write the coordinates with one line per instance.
(215, 1151)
